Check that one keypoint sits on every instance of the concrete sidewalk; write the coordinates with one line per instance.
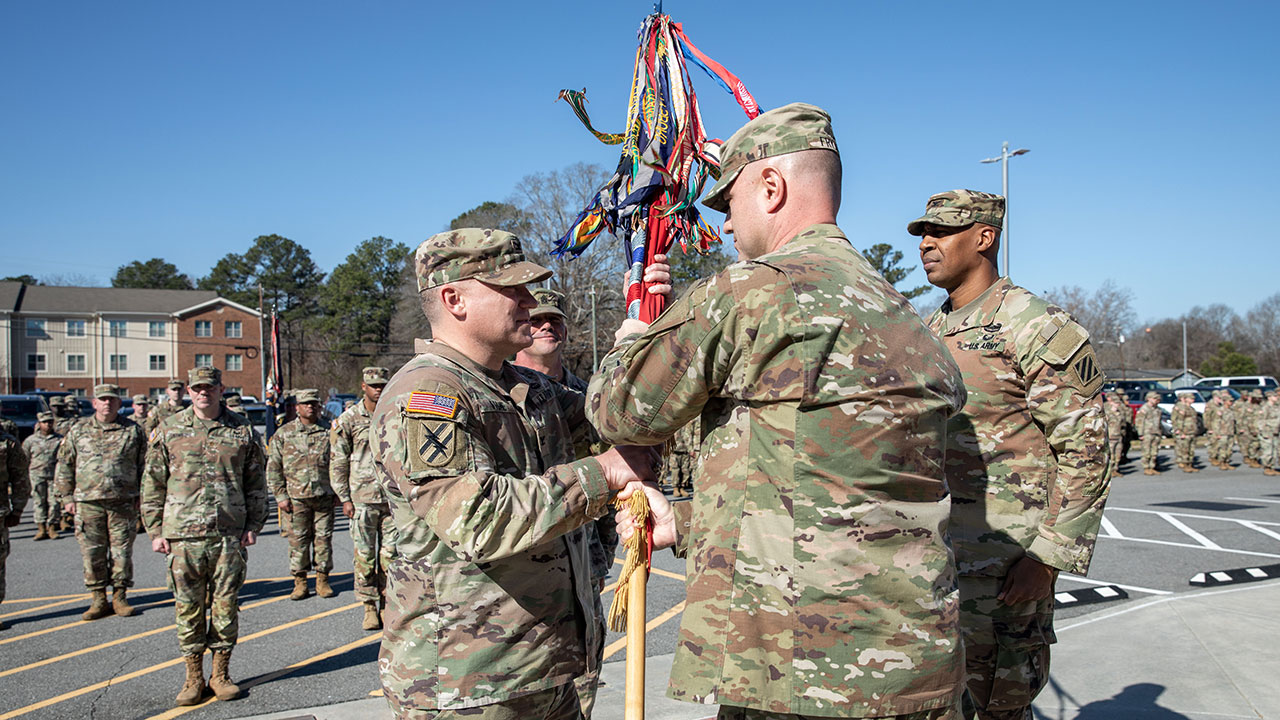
(1192, 656)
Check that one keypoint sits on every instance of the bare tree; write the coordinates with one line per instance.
(1263, 327)
(1107, 313)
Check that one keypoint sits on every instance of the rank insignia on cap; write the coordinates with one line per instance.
(427, 403)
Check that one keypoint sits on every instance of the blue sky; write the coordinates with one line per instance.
(183, 130)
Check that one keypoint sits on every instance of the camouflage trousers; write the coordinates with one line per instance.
(106, 529)
(1116, 448)
(1221, 448)
(312, 527)
(1184, 449)
(1150, 451)
(4, 554)
(729, 712)
(1243, 440)
(557, 703)
(678, 473)
(47, 508)
(588, 682)
(1006, 650)
(1270, 450)
(1255, 447)
(205, 575)
(374, 536)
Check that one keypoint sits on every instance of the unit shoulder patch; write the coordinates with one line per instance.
(432, 443)
(1083, 372)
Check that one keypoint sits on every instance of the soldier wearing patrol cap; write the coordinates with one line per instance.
(476, 459)
(1027, 458)
(351, 474)
(170, 404)
(1147, 422)
(1117, 415)
(1268, 430)
(15, 488)
(234, 403)
(41, 448)
(204, 501)
(141, 409)
(67, 411)
(100, 464)
(1184, 421)
(1256, 408)
(298, 477)
(824, 400)
(1225, 431)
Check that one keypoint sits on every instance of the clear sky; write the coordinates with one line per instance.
(183, 130)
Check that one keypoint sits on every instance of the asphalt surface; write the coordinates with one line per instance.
(1159, 533)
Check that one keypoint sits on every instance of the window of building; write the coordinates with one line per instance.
(117, 328)
(155, 329)
(75, 362)
(204, 328)
(75, 328)
(35, 362)
(204, 360)
(156, 392)
(234, 328)
(118, 362)
(235, 363)
(77, 392)
(230, 390)
(35, 328)
(157, 362)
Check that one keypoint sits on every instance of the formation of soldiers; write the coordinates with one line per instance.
(1251, 424)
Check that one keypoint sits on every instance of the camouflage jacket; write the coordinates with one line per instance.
(1183, 420)
(204, 478)
(1117, 415)
(602, 535)
(101, 461)
(819, 578)
(42, 451)
(1027, 460)
(489, 596)
(15, 486)
(298, 461)
(1245, 411)
(8, 427)
(1147, 420)
(1211, 410)
(63, 424)
(351, 458)
(1268, 422)
(1225, 424)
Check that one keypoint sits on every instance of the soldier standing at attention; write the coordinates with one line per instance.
(235, 404)
(1225, 430)
(15, 488)
(1268, 430)
(490, 604)
(7, 426)
(171, 404)
(1026, 460)
(298, 476)
(1245, 417)
(1147, 421)
(67, 411)
(1211, 410)
(41, 448)
(352, 478)
(204, 500)
(1183, 420)
(100, 464)
(824, 401)
(683, 456)
(1117, 412)
(141, 410)
(1257, 406)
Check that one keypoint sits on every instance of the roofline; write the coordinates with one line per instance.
(232, 303)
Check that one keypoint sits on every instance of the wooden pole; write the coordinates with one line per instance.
(635, 643)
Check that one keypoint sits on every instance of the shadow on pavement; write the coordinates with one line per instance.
(1136, 702)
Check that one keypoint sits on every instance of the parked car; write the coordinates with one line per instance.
(1130, 387)
(1168, 398)
(22, 410)
(1238, 382)
(257, 414)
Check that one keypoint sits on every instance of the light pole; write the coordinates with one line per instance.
(1003, 159)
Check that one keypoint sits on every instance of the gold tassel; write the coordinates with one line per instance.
(637, 548)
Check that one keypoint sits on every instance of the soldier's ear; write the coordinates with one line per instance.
(987, 238)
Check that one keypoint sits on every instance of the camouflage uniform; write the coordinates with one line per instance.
(1182, 418)
(15, 488)
(819, 578)
(164, 407)
(68, 414)
(298, 469)
(1245, 411)
(681, 460)
(203, 489)
(490, 604)
(1117, 416)
(42, 451)
(1147, 422)
(8, 427)
(99, 468)
(351, 474)
(1224, 432)
(1268, 428)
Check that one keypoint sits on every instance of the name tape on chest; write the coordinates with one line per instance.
(429, 403)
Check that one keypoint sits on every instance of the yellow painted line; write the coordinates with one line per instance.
(167, 664)
(272, 676)
(38, 608)
(655, 571)
(621, 643)
(46, 598)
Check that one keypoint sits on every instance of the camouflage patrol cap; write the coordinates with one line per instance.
(1153, 395)
(141, 400)
(106, 390)
(1255, 393)
(790, 128)
(308, 395)
(203, 376)
(550, 302)
(374, 375)
(234, 401)
(491, 256)
(960, 208)
(57, 401)
(45, 417)
(176, 384)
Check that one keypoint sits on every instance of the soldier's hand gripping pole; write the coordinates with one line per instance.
(628, 609)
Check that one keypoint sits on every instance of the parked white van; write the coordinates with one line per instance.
(1238, 382)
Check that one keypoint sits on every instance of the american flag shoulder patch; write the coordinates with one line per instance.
(429, 403)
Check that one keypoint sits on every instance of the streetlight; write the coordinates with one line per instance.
(1003, 159)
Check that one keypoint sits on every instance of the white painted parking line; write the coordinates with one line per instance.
(1204, 541)
(1190, 515)
(1258, 528)
(1261, 500)
(1194, 547)
(1133, 588)
(1110, 529)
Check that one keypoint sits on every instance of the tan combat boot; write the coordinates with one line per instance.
(299, 588)
(68, 525)
(99, 608)
(322, 586)
(41, 533)
(193, 687)
(220, 680)
(51, 530)
(120, 604)
(372, 620)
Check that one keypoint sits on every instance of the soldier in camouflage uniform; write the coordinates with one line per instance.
(1268, 430)
(353, 481)
(100, 464)
(298, 477)
(235, 404)
(823, 400)
(204, 501)
(1225, 431)
(1210, 417)
(41, 448)
(170, 404)
(1245, 412)
(141, 410)
(1183, 421)
(490, 601)
(682, 459)
(1257, 406)
(15, 488)
(67, 411)
(1027, 459)
(7, 426)
(1147, 422)
(1117, 415)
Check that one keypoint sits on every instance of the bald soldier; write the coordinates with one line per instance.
(490, 605)
(1026, 460)
(819, 582)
